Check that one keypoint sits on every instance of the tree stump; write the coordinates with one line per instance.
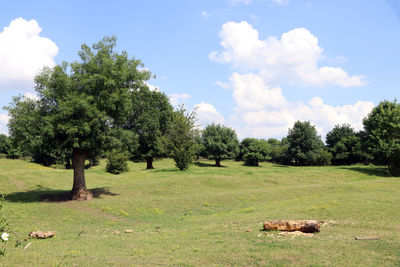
(306, 226)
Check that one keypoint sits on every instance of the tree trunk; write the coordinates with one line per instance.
(218, 162)
(79, 191)
(149, 163)
(309, 226)
(394, 168)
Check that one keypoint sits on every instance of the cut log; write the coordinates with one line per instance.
(307, 226)
(41, 234)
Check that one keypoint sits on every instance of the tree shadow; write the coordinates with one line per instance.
(44, 194)
(373, 171)
(203, 164)
(166, 170)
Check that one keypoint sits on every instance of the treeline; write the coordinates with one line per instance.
(102, 106)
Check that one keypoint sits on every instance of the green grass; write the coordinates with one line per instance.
(202, 216)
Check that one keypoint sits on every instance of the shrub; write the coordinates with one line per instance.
(253, 151)
(116, 162)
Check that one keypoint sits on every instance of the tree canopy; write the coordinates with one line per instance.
(254, 150)
(305, 147)
(149, 117)
(182, 138)
(219, 142)
(382, 130)
(82, 106)
(345, 145)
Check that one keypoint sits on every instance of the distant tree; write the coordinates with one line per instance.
(345, 145)
(82, 106)
(181, 138)
(219, 143)
(305, 147)
(382, 130)
(150, 117)
(278, 150)
(31, 135)
(116, 162)
(5, 144)
(254, 150)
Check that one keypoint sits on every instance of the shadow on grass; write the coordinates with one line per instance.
(375, 171)
(44, 194)
(203, 164)
(166, 170)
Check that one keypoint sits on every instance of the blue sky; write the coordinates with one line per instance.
(254, 65)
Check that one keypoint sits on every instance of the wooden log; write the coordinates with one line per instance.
(306, 226)
(41, 234)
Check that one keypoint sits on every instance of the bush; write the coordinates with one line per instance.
(253, 151)
(117, 162)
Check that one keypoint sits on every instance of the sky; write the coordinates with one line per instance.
(254, 65)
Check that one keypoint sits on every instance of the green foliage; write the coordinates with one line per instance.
(116, 162)
(30, 133)
(182, 138)
(81, 107)
(254, 150)
(5, 144)
(150, 118)
(219, 143)
(382, 130)
(305, 147)
(345, 145)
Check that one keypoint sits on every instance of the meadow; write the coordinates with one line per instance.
(205, 216)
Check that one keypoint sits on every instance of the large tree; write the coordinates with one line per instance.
(305, 147)
(83, 105)
(219, 142)
(382, 131)
(345, 145)
(150, 118)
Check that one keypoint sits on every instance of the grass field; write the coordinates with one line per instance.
(204, 216)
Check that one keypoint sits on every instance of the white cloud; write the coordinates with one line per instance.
(152, 87)
(205, 14)
(4, 118)
(207, 114)
(280, 2)
(222, 84)
(291, 59)
(23, 52)
(264, 112)
(177, 99)
(236, 2)
(251, 93)
(31, 96)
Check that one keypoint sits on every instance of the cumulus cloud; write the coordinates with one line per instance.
(291, 59)
(177, 99)
(207, 114)
(264, 112)
(23, 52)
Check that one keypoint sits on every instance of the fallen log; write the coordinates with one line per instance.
(41, 234)
(306, 226)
